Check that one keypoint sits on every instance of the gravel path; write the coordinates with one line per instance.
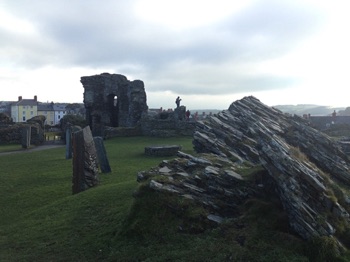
(37, 148)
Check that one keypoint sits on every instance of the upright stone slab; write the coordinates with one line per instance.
(102, 155)
(25, 136)
(68, 143)
(85, 167)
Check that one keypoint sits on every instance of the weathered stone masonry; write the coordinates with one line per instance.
(116, 106)
(112, 100)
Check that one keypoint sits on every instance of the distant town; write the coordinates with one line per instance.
(24, 109)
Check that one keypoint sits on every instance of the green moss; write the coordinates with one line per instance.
(323, 249)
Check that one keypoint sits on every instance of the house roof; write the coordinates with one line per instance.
(45, 107)
(59, 107)
(26, 102)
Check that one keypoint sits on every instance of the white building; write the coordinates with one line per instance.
(60, 112)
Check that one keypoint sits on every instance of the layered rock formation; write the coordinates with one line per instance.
(309, 172)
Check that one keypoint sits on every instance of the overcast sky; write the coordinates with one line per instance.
(210, 53)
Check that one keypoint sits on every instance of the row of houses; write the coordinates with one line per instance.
(24, 109)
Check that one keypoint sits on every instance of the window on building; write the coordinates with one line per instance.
(31, 107)
(31, 113)
(59, 117)
(64, 112)
(24, 118)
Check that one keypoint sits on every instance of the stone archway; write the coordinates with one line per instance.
(113, 108)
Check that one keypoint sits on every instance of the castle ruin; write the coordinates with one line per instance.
(112, 100)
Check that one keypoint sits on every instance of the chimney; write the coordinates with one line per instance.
(19, 98)
(35, 98)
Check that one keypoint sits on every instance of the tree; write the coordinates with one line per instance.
(5, 118)
(74, 120)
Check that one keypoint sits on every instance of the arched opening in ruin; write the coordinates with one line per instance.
(113, 109)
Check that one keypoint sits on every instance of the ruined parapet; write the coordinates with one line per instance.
(112, 100)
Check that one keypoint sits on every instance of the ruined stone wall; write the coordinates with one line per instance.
(122, 131)
(112, 100)
(167, 124)
(323, 122)
(166, 127)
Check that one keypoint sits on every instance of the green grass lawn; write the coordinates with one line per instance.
(10, 147)
(40, 219)
(39, 213)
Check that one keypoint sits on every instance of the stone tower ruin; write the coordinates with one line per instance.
(112, 100)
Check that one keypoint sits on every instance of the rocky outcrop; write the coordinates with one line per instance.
(303, 162)
(309, 172)
(211, 180)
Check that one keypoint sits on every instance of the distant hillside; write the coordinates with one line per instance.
(314, 110)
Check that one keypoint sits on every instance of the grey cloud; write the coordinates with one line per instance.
(107, 34)
(216, 83)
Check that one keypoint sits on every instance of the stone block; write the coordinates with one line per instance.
(162, 150)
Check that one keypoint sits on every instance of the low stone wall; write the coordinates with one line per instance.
(110, 132)
(162, 150)
(167, 127)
